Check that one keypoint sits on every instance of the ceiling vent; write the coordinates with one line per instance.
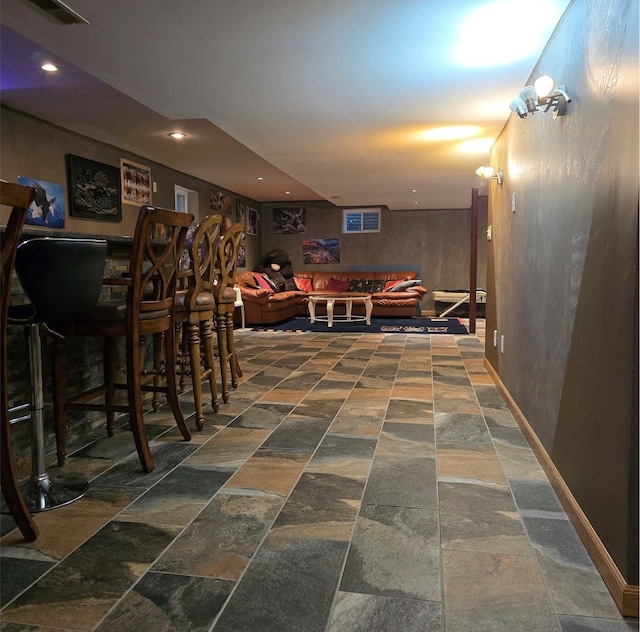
(59, 11)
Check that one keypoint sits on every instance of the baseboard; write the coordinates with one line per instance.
(625, 595)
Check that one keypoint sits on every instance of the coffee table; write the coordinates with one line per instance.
(348, 299)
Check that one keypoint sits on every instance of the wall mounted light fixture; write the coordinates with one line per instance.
(489, 173)
(542, 96)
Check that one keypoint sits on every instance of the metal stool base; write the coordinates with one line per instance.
(51, 493)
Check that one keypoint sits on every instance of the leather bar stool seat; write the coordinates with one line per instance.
(62, 279)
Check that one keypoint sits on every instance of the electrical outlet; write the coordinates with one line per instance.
(502, 343)
(495, 337)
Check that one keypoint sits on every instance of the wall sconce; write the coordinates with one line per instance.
(542, 96)
(489, 174)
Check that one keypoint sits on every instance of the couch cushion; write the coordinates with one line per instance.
(337, 285)
(304, 285)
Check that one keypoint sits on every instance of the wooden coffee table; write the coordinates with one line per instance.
(348, 299)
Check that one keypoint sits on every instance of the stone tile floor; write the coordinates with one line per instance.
(353, 482)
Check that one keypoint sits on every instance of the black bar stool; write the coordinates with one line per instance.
(62, 279)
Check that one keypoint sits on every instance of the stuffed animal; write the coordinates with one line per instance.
(277, 266)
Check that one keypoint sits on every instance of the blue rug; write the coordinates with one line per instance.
(415, 325)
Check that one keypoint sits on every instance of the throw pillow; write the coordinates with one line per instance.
(304, 285)
(337, 285)
(358, 285)
(271, 283)
(403, 285)
(389, 284)
(262, 282)
(375, 286)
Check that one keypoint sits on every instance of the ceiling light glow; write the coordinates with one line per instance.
(502, 32)
(49, 67)
(177, 135)
(475, 146)
(451, 132)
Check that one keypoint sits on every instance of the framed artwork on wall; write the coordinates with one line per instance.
(221, 202)
(315, 251)
(135, 183)
(48, 207)
(94, 190)
(241, 212)
(252, 221)
(289, 221)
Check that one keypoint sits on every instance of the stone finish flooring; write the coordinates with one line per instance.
(354, 482)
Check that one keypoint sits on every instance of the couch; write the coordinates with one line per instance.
(263, 305)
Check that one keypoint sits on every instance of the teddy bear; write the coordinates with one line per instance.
(277, 266)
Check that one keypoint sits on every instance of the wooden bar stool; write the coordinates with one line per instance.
(225, 296)
(195, 310)
(20, 198)
(146, 309)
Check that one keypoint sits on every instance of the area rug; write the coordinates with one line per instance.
(415, 325)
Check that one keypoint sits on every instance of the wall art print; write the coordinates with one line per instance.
(289, 221)
(252, 221)
(48, 207)
(221, 202)
(241, 212)
(94, 190)
(242, 257)
(317, 251)
(136, 183)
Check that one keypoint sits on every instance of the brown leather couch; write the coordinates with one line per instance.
(264, 306)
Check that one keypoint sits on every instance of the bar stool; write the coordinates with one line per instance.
(20, 198)
(195, 309)
(225, 297)
(62, 279)
(146, 309)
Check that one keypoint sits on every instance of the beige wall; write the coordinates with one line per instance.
(562, 273)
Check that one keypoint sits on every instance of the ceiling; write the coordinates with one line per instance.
(325, 100)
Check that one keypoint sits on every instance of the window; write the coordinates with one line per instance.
(186, 200)
(361, 220)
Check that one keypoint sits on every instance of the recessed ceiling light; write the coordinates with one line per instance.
(287, 192)
(259, 178)
(414, 190)
(49, 67)
(177, 135)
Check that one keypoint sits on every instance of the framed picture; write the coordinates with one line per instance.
(241, 212)
(320, 251)
(48, 207)
(289, 221)
(221, 202)
(94, 190)
(252, 221)
(242, 257)
(135, 183)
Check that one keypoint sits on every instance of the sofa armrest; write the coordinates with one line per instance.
(249, 293)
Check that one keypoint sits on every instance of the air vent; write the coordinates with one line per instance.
(59, 11)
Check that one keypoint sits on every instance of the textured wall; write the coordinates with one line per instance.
(436, 241)
(562, 269)
(32, 147)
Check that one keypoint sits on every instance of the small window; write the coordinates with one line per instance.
(186, 200)
(361, 220)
